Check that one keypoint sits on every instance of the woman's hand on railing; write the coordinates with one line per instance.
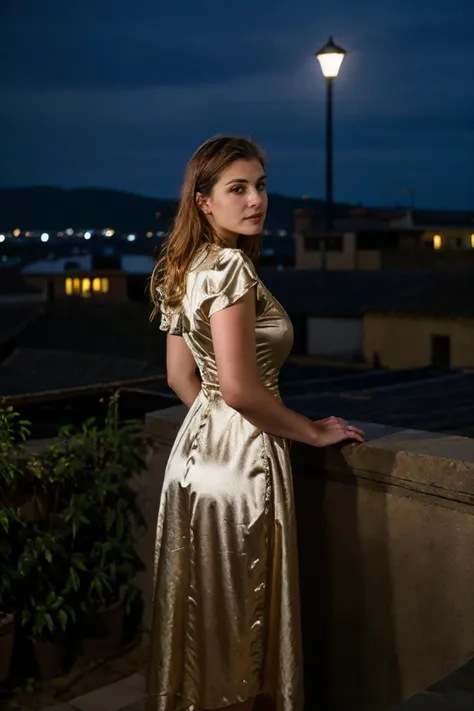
(333, 430)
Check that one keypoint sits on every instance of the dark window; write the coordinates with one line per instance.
(50, 290)
(459, 241)
(377, 240)
(441, 351)
(316, 244)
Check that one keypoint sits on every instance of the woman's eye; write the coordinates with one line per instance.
(237, 189)
(261, 187)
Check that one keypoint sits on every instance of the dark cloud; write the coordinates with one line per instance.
(119, 94)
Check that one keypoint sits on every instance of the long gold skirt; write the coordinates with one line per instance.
(226, 622)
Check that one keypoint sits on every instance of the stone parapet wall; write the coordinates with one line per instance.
(386, 539)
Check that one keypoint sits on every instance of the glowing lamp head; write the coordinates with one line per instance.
(330, 58)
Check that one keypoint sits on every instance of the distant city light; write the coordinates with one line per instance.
(437, 242)
(69, 231)
(149, 234)
(16, 233)
(2, 238)
(109, 232)
(472, 241)
(44, 237)
(131, 238)
(87, 235)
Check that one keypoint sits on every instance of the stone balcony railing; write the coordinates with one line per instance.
(386, 539)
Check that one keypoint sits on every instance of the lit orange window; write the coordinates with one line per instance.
(68, 286)
(105, 285)
(96, 284)
(77, 286)
(86, 287)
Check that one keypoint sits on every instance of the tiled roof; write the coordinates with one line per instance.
(12, 282)
(128, 263)
(83, 262)
(426, 399)
(14, 319)
(430, 401)
(117, 329)
(352, 293)
(29, 371)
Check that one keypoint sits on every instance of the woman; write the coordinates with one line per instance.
(226, 630)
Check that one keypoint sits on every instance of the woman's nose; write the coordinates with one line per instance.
(255, 198)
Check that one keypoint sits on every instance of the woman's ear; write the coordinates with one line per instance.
(203, 203)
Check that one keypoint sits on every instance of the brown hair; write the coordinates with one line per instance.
(191, 228)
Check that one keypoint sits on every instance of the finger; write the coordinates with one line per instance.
(356, 437)
(356, 429)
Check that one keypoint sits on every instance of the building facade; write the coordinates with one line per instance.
(373, 242)
(411, 341)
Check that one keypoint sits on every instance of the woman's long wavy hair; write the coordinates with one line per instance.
(191, 228)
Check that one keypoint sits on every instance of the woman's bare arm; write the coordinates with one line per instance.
(233, 336)
(181, 370)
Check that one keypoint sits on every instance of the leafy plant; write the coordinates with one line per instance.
(48, 617)
(79, 556)
(10, 528)
(48, 597)
(13, 433)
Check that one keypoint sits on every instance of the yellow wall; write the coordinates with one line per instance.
(405, 341)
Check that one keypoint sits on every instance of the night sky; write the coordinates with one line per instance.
(119, 93)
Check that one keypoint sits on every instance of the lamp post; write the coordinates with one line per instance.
(330, 58)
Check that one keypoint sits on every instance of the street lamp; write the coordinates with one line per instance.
(330, 58)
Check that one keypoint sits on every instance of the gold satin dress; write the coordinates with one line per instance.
(226, 624)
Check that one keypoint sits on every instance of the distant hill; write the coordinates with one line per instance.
(51, 208)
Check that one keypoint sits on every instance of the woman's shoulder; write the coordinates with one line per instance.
(215, 256)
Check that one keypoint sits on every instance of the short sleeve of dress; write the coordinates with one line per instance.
(232, 275)
(171, 321)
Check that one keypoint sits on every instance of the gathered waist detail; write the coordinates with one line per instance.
(212, 390)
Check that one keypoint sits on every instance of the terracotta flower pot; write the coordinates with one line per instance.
(50, 657)
(7, 638)
(104, 633)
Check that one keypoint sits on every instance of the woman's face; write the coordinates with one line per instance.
(238, 202)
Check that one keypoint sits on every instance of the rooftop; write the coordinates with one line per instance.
(116, 329)
(12, 282)
(127, 263)
(14, 319)
(32, 371)
(413, 399)
(391, 220)
(352, 293)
